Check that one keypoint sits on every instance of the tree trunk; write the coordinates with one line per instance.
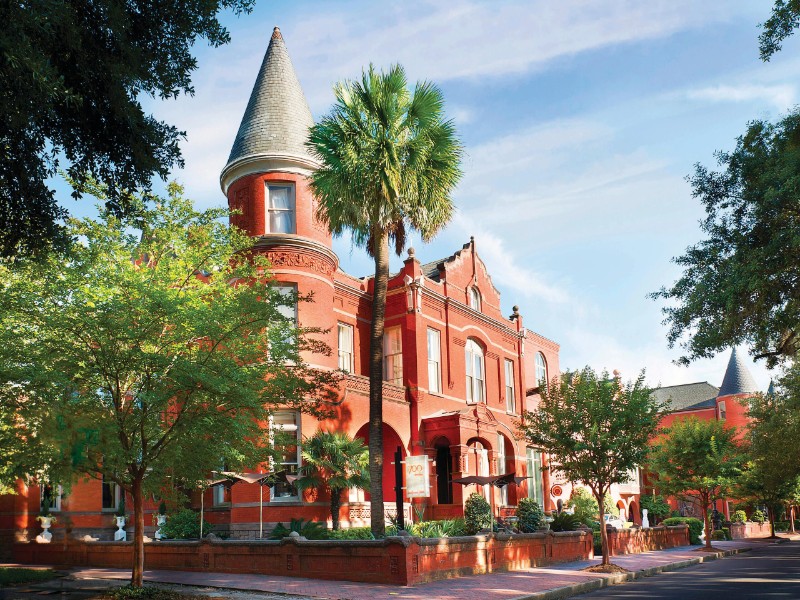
(603, 530)
(336, 497)
(381, 251)
(706, 500)
(771, 515)
(138, 533)
(791, 518)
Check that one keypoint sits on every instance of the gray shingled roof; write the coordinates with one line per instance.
(431, 269)
(687, 396)
(738, 379)
(277, 117)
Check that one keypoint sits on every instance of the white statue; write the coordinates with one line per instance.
(645, 520)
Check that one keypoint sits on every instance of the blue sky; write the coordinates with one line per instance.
(580, 119)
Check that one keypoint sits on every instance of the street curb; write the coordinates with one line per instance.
(585, 587)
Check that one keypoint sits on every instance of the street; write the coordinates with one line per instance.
(768, 571)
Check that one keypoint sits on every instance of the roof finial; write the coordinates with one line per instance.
(276, 33)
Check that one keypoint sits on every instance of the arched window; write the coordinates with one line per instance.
(474, 298)
(475, 372)
(541, 370)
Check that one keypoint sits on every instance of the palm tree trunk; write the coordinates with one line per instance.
(138, 533)
(381, 252)
(336, 497)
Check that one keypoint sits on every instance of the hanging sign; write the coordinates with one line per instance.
(417, 477)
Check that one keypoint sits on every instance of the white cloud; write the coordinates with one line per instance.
(780, 96)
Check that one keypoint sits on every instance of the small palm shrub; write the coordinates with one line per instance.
(739, 517)
(564, 522)
(184, 525)
(529, 515)
(758, 517)
(311, 530)
(439, 529)
(354, 533)
(477, 514)
(695, 527)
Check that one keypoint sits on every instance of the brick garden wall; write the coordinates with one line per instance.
(741, 531)
(633, 541)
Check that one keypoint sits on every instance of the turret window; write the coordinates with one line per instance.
(280, 208)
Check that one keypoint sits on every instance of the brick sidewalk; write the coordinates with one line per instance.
(495, 586)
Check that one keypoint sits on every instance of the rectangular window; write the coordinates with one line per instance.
(535, 484)
(280, 208)
(111, 494)
(722, 411)
(393, 356)
(285, 435)
(346, 347)
(51, 494)
(284, 332)
(511, 404)
(434, 361)
(502, 468)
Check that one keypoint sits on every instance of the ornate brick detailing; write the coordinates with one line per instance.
(360, 385)
(459, 342)
(303, 261)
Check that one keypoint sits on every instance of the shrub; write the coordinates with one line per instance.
(439, 529)
(718, 536)
(739, 516)
(781, 525)
(530, 516)
(758, 517)
(695, 527)
(657, 507)
(477, 514)
(354, 533)
(15, 576)
(564, 522)
(584, 504)
(597, 542)
(184, 525)
(311, 530)
(727, 533)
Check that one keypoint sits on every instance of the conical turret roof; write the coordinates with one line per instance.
(738, 379)
(277, 118)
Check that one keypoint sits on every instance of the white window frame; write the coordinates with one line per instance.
(511, 400)
(502, 466)
(116, 492)
(56, 501)
(476, 386)
(541, 370)
(280, 466)
(269, 210)
(434, 361)
(723, 413)
(346, 358)
(533, 458)
(393, 361)
(474, 298)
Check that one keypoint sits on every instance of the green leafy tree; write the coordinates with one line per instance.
(389, 162)
(152, 350)
(584, 505)
(697, 459)
(334, 462)
(742, 283)
(782, 23)
(72, 77)
(594, 428)
(657, 507)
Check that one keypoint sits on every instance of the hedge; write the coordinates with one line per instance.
(695, 527)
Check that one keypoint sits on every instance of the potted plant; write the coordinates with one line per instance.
(161, 519)
(46, 519)
(120, 535)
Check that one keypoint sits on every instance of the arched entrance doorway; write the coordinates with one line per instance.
(478, 463)
(444, 471)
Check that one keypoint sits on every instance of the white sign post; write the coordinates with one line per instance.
(417, 477)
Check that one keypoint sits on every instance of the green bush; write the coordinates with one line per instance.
(695, 527)
(584, 505)
(718, 536)
(598, 543)
(739, 516)
(758, 517)
(439, 529)
(353, 533)
(564, 522)
(477, 514)
(17, 576)
(781, 525)
(530, 515)
(146, 592)
(184, 525)
(311, 530)
(727, 533)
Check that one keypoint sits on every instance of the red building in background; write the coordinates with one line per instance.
(457, 371)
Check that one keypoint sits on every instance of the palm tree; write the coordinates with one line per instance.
(389, 161)
(334, 462)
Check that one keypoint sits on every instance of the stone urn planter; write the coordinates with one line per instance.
(160, 521)
(120, 535)
(45, 537)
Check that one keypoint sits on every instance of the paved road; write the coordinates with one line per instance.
(768, 571)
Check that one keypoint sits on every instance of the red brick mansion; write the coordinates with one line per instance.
(457, 371)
